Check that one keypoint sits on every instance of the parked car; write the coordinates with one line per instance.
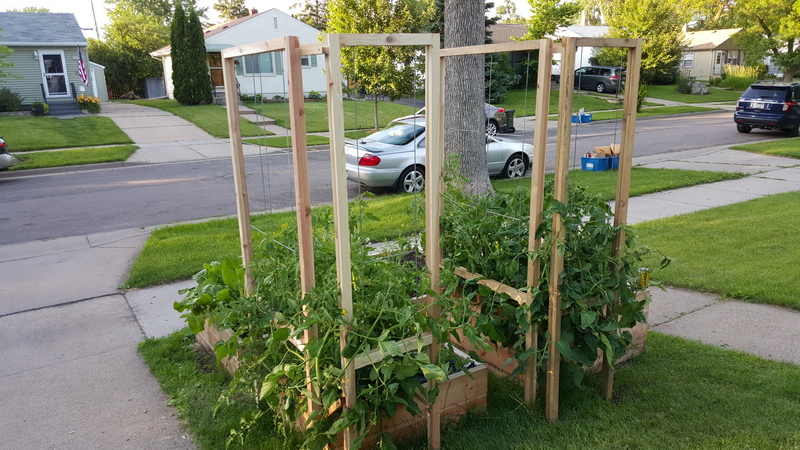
(600, 78)
(395, 157)
(6, 159)
(495, 119)
(769, 105)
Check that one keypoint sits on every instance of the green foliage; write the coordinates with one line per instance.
(660, 25)
(548, 15)
(314, 95)
(4, 52)
(741, 77)
(507, 11)
(9, 100)
(488, 235)
(314, 13)
(770, 28)
(683, 84)
(381, 71)
(29, 9)
(40, 109)
(190, 75)
(89, 103)
(267, 324)
(231, 9)
(499, 77)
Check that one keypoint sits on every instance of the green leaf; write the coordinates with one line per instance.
(433, 372)
(389, 348)
(587, 318)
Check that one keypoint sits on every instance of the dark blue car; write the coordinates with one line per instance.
(769, 105)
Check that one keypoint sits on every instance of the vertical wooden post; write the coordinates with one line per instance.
(434, 135)
(239, 178)
(537, 202)
(302, 190)
(340, 217)
(624, 181)
(566, 89)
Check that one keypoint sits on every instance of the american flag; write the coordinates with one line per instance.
(82, 68)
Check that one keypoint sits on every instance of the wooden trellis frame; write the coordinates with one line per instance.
(434, 123)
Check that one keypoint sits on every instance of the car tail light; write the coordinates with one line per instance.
(369, 160)
(501, 110)
(2, 143)
(613, 78)
(787, 105)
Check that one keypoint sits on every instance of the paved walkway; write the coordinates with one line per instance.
(70, 377)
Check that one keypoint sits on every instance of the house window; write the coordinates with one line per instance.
(275, 23)
(308, 61)
(258, 64)
(688, 59)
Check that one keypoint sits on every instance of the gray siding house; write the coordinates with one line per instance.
(45, 57)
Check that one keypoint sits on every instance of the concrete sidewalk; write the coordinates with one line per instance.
(70, 376)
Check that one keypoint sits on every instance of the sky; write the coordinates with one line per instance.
(83, 9)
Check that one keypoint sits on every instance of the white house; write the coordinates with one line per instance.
(709, 50)
(257, 74)
(579, 31)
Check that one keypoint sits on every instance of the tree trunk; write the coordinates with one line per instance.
(375, 110)
(464, 121)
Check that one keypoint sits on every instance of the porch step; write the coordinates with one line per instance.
(64, 108)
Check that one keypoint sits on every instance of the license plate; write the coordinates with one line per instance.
(757, 105)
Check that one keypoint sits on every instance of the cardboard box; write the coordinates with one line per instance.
(614, 149)
(604, 151)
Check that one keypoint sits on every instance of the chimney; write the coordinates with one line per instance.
(253, 11)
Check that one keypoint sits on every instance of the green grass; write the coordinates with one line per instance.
(286, 141)
(669, 92)
(194, 382)
(524, 103)
(648, 112)
(25, 133)
(747, 251)
(679, 394)
(76, 157)
(213, 119)
(778, 147)
(357, 114)
(178, 252)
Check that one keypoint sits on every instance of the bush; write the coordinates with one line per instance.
(715, 81)
(314, 95)
(684, 84)
(40, 109)
(741, 77)
(9, 101)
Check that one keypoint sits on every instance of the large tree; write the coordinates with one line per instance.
(660, 25)
(313, 13)
(771, 28)
(464, 116)
(189, 67)
(5, 51)
(29, 9)
(549, 15)
(379, 71)
(507, 11)
(231, 9)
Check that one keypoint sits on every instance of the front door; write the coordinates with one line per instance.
(54, 73)
(718, 62)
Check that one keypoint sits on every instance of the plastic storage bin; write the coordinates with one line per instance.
(599, 164)
(586, 118)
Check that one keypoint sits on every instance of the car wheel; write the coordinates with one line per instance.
(743, 128)
(795, 132)
(491, 128)
(516, 166)
(411, 180)
(600, 88)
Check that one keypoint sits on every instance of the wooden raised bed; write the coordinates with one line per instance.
(498, 355)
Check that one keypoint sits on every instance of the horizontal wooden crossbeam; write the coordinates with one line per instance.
(406, 345)
(520, 296)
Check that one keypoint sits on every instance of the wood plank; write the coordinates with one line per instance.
(434, 125)
(239, 178)
(313, 49)
(340, 217)
(624, 180)
(406, 345)
(536, 207)
(390, 39)
(254, 48)
(302, 190)
(520, 297)
(566, 91)
(517, 46)
(606, 42)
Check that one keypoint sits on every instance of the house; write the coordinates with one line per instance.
(584, 54)
(257, 74)
(46, 50)
(708, 51)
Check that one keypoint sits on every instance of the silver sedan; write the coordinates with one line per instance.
(395, 157)
(6, 159)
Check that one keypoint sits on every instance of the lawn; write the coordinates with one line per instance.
(25, 133)
(213, 119)
(653, 111)
(358, 114)
(74, 157)
(286, 141)
(524, 102)
(777, 147)
(745, 250)
(178, 252)
(678, 395)
(670, 92)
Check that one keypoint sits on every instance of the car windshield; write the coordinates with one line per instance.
(397, 134)
(765, 92)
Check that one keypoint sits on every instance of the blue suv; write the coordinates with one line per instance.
(769, 105)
